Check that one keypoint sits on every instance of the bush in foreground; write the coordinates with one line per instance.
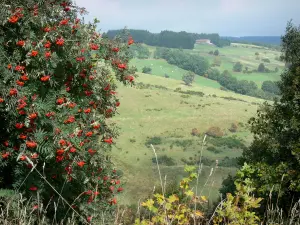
(56, 93)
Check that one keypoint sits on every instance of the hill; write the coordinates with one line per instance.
(269, 40)
(157, 112)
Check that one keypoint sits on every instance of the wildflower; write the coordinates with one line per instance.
(62, 142)
(64, 22)
(20, 83)
(80, 59)
(129, 78)
(60, 41)
(91, 151)
(59, 158)
(31, 144)
(22, 112)
(19, 125)
(24, 77)
(33, 188)
(117, 182)
(19, 68)
(113, 201)
(1, 100)
(47, 44)
(23, 158)
(45, 78)
(88, 93)
(34, 156)
(47, 29)
(60, 101)
(130, 41)
(13, 91)
(49, 114)
(120, 189)
(87, 111)
(5, 155)
(94, 46)
(13, 19)
(109, 141)
(96, 126)
(72, 149)
(81, 163)
(60, 152)
(34, 53)
(71, 105)
(9, 66)
(115, 49)
(21, 43)
(33, 116)
(122, 66)
(117, 104)
(107, 87)
(71, 119)
(47, 55)
(111, 188)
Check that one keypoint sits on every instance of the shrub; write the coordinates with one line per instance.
(233, 128)
(230, 142)
(146, 70)
(261, 68)
(166, 75)
(213, 149)
(266, 60)
(238, 67)
(165, 160)
(56, 93)
(154, 141)
(215, 132)
(195, 132)
(188, 78)
(216, 52)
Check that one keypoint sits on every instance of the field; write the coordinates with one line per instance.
(157, 114)
(228, 57)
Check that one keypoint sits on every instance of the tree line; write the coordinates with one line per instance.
(170, 39)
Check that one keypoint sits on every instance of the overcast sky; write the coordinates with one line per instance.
(226, 17)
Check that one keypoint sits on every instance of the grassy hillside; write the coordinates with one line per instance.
(165, 118)
(228, 56)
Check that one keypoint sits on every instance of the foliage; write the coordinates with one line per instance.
(215, 132)
(238, 67)
(270, 86)
(170, 39)
(216, 52)
(146, 70)
(195, 132)
(139, 51)
(266, 60)
(193, 63)
(274, 154)
(239, 86)
(238, 209)
(261, 68)
(175, 208)
(153, 141)
(213, 149)
(165, 160)
(188, 78)
(57, 90)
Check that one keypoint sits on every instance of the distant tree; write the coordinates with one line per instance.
(261, 68)
(215, 132)
(266, 60)
(166, 75)
(271, 87)
(188, 78)
(211, 52)
(238, 67)
(216, 52)
(147, 70)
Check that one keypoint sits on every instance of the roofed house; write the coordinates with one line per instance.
(203, 41)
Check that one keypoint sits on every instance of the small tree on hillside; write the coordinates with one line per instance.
(238, 67)
(188, 78)
(261, 68)
(216, 52)
(147, 70)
